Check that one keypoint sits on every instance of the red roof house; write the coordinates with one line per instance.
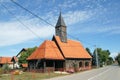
(6, 60)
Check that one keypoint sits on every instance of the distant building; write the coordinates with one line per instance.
(60, 53)
(14, 60)
(23, 50)
(25, 65)
(6, 60)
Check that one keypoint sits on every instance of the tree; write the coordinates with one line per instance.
(88, 50)
(26, 54)
(93, 58)
(110, 61)
(103, 56)
(118, 58)
(6, 68)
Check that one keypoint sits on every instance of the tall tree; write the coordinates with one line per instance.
(118, 59)
(88, 50)
(110, 60)
(26, 54)
(103, 56)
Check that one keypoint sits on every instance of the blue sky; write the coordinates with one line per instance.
(92, 22)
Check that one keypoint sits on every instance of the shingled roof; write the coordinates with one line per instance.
(60, 21)
(72, 49)
(47, 50)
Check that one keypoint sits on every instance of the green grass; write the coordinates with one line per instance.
(30, 76)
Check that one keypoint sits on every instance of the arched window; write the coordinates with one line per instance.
(86, 63)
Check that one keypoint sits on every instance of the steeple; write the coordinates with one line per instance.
(60, 21)
(60, 29)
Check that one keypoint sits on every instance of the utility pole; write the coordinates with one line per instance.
(96, 56)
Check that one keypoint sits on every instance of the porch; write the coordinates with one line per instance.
(45, 65)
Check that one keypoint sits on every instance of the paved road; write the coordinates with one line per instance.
(105, 73)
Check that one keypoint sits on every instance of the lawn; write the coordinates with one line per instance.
(30, 76)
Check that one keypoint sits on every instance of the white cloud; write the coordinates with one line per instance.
(114, 54)
(68, 4)
(73, 17)
(98, 29)
(4, 0)
(14, 33)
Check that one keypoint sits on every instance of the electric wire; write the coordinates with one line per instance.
(19, 20)
(45, 20)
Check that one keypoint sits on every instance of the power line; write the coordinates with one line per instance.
(19, 20)
(31, 12)
(43, 19)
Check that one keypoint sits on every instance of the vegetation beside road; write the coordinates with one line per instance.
(103, 57)
(118, 59)
(30, 76)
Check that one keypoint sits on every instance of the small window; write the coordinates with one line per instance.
(86, 63)
(80, 64)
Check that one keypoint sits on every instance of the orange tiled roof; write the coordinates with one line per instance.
(24, 65)
(72, 49)
(4, 60)
(47, 50)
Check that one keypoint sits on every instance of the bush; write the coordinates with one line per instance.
(118, 58)
(5, 68)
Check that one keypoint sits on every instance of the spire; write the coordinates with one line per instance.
(60, 21)
(61, 29)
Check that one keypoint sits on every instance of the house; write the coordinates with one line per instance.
(23, 50)
(60, 53)
(14, 60)
(6, 60)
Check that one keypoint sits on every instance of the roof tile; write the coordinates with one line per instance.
(72, 49)
(4, 60)
(47, 50)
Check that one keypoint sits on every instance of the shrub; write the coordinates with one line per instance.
(6, 68)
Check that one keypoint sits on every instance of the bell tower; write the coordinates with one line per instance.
(60, 29)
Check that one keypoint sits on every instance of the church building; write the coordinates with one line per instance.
(60, 53)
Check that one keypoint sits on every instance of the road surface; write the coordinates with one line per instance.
(106, 73)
